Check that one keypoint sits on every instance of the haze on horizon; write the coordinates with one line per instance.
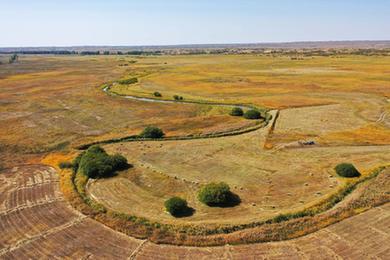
(157, 22)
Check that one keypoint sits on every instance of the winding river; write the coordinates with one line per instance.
(155, 100)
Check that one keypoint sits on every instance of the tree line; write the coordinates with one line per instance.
(64, 52)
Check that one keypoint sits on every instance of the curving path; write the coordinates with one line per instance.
(36, 223)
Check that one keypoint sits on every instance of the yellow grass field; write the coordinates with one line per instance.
(331, 110)
(339, 103)
(268, 182)
(277, 82)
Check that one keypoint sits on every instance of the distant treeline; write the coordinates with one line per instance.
(41, 52)
(140, 53)
(85, 52)
(278, 51)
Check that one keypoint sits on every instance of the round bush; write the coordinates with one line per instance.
(152, 132)
(176, 206)
(157, 94)
(215, 194)
(237, 111)
(347, 170)
(252, 114)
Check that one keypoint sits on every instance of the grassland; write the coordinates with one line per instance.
(52, 104)
(268, 182)
(276, 82)
(356, 86)
(322, 99)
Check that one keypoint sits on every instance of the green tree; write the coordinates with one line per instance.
(215, 194)
(176, 206)
(252, 114)
(119, 162)
(236, 111)
(347, 170)
(152, 132)
(177, 97)
(96, 163)
(128, 81)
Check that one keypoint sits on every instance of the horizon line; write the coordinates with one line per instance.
(194, 44)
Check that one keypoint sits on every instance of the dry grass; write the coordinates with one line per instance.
(371, 190)
(37, 231)
(367, 134)
(271, 81)
(268, 182)
(53, 102)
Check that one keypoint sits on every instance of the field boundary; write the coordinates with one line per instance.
(137, 138)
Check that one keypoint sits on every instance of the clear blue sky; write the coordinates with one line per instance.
(154, 22)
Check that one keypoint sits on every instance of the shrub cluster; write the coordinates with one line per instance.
(96, 163)
(176, 206)
(347, 170)
(252, 114)
(215, 194)
(177, 97)
(237, 111)
(157, 94)
(13, 58)
(152, 132)
(128, 81)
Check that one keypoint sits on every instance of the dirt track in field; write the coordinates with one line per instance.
(36, 223)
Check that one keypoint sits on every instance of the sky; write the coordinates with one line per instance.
(169, 22)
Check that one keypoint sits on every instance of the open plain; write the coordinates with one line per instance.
(325, 110)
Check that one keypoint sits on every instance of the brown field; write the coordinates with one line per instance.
(36, 222)
(51, 104)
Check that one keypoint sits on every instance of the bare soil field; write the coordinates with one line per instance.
(36, 222)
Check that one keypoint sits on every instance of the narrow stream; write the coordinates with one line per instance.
(155, 100)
